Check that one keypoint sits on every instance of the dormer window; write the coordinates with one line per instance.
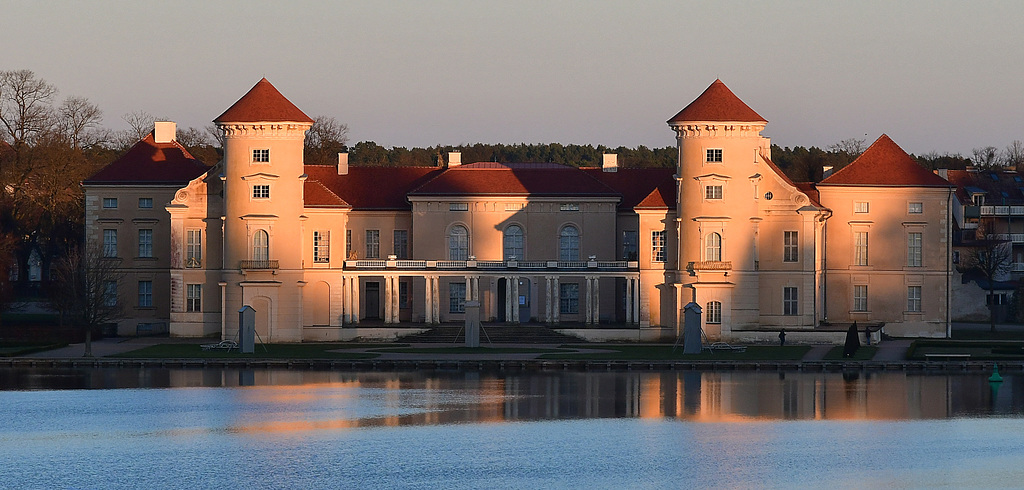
(261, 155)
(714, 155)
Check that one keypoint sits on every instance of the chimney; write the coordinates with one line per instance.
(454, 158)
(610, 162)
(342, 163)
(826, 172)
(163, 131)
(942, 172)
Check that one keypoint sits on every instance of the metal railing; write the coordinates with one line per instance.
(258, 264)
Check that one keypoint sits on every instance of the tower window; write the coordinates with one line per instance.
(712, 192)
(261, 191)
(714, 155)
(261, 155)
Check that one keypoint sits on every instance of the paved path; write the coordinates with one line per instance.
(892, 350)
(110, 347)
(817, 352)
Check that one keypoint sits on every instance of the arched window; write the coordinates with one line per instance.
(261, 245)
(713, 247)
(713, 314)
(513, 242)
(569, 244)
(458, 243)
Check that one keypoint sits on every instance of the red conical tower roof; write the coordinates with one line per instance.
(717, 104)
(884, 163)
(263, 103)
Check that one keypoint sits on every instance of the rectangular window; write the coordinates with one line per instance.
(321, 247)
(145, 203)
(403, 295)
(457, 297)
(109, 203)
(860, 248)
(513, 206)
(146, 243)
(373, 244)
(569, 206)
(714, 313)
(915, 208)
(261, 155)
(109, 293)
(714, 155)
(110, 243)
(789, 301)
(860, 298)
(401, 245)
(860, 207)
(458, 206)
(348, 244)
(790, 246)
(193, 297)
(194, 249)
(261, 191)
(712, 192)
(914, 247)
(145, 294)
(658, 246)
(914, 299)
(569, 298)
(630, 245)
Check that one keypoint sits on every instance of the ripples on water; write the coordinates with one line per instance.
(154, 428)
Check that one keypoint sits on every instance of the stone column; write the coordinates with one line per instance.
(629, 300)
(355, 300)
(636, 299)
(428, 300)
(597, 301)
(515, 299)
(388, 282)
(556, 302)
(588, 303)
(547, 299)
(435, 309)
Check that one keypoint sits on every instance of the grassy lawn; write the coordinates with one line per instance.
(664, 353)
(11, 349)
(864, 353)
(987, 335)
(271, 351)
(466, 350)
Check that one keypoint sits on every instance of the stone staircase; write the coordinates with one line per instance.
(498, 334)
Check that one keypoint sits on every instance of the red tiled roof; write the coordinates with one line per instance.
(316, 195)
(149, 162)
(642, 188)
(514, 179)
(718, 104)
(367, 188)
(884, 163)
(1000, 187)
(263, 103)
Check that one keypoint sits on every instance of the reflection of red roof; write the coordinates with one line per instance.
(514, 179)
(641, 188)
(365, 188)
(263, 103)
(149, 162)
(884, 163)
(718, 104)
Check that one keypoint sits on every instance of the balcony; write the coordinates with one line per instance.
(710, 265)
(258, 265)
(492, 265)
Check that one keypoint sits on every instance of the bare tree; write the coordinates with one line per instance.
(1013, 155)
(78, 119)
(85, 291)
(325, 139)
(851, 146)
(991, 257)
(25, 105)
(985, 157)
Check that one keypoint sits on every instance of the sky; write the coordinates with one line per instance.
(936, 76)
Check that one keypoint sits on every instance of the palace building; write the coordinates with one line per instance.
(339, 252)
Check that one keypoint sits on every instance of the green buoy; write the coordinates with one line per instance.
(995, 378)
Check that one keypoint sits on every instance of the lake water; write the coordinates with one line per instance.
(184, 428)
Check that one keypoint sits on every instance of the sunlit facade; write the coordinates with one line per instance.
(338, 252)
